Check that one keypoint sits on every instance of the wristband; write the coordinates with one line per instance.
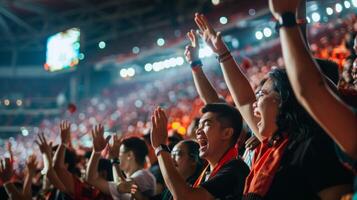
(287, 19)
(223, 56)
(161, 148)
(196, 63)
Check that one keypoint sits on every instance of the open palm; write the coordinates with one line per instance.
(212, 38)
(65, 127)
(99, 142)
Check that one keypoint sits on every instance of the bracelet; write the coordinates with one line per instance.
(196, 63)
(160, 148)
(223, 56)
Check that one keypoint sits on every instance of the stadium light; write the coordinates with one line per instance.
(315, 17)
(130, 72)
(329, 11)
(179, 61)
(338, 7)
(81, 56)
(123, 73)
(347, 4)
(160, 42)
(251, 12)
(223, 20)
(267, 32)
(259, 35)
(148, 67)
(101, 44)
(235, 43)
(19, 102)
(24, 131)
(6, 102)
(215, 2)
(205, 52)
(135, 50)
(354, 3)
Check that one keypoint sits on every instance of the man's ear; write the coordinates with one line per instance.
(227, 133)
(130, 155)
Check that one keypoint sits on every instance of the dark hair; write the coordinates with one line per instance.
(138, 147)
(196, 121)
(228, 117)
(193, 149)
(329, 68)
(292, 117)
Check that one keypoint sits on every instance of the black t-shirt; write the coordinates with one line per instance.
(307, 168)
(229, 182)
(166, 194)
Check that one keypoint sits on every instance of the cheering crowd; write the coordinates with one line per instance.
(302, 142)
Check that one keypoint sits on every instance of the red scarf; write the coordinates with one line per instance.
(231, 154)
(264, 167)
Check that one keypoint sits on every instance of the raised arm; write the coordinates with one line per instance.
(31, 166)
(174, 181)
(334, 116)
(6, 174)
(51, 175)
(204, 88)
(238, 84)
(113, 156)
(59, 157)
(99, 144)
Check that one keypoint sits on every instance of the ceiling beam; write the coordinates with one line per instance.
(5, 12)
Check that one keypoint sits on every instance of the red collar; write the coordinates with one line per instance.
(231, 154)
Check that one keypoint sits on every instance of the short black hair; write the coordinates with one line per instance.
(138, 147)
(228, 116)
(193, 150)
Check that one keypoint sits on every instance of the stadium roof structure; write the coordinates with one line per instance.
(26, 25)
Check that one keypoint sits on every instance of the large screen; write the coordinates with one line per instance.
(63, 50)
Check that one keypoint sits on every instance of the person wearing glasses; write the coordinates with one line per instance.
(185, 156)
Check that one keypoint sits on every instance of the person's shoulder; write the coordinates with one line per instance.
(144, 175)
(236, 166)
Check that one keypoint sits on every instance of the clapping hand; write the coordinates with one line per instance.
(159, 128)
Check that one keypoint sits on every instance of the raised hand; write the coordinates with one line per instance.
(99, 142)
(114, 147)
(159, 128)
(46, 150)
(277, 7)
(65, 127)
(192, 50)
(31, 164)
(6, 170)
(209, 35)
